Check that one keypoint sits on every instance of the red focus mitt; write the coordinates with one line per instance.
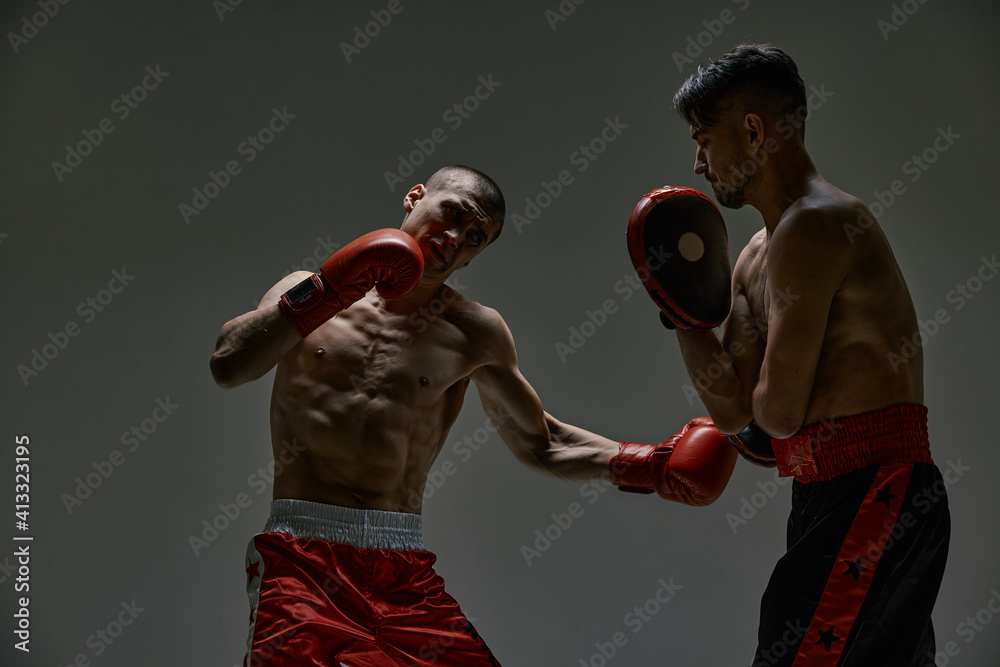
(679, 246)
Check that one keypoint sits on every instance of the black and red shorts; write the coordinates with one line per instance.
(867, 544)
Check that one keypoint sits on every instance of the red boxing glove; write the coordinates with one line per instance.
(692, 467)
(388, 258)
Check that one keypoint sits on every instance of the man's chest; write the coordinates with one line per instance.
(391, 359)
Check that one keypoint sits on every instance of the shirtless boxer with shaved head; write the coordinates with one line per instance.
(819, 308)
(373, 356)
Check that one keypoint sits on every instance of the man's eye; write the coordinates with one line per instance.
(477, 238)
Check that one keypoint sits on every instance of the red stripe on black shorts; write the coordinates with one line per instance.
(866, 554)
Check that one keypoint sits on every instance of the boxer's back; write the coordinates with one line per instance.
(865, 362)
(368, 398)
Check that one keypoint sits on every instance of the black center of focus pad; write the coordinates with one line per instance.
(702, 287)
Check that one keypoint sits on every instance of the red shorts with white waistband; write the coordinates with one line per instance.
(320, 603)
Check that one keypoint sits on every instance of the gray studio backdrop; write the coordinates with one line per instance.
(165, 163)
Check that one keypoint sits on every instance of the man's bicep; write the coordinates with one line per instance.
(509, 400)
(508, 397)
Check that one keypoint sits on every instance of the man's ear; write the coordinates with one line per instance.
(415, 194)
(753, 125)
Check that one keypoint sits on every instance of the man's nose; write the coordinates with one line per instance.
(700, 163)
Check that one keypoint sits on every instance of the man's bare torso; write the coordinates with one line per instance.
(870, 316)
(369, 397)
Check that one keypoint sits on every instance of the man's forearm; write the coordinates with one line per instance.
(251, 345)
(715, 372)
(576, 454)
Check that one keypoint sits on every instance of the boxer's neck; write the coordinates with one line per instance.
(785, 179)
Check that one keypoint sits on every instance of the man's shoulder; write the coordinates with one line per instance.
(819, 222)
(472, 317)
(823, 211)
(813, 236)
(490, 342)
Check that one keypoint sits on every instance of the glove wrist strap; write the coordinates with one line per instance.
(309, 304)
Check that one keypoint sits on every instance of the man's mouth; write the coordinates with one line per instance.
(436, 250)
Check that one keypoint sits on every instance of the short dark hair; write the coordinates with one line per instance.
(750, 77)
(485, 187)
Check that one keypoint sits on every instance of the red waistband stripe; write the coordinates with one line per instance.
(833, 447)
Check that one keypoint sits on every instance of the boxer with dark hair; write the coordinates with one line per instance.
(803, 378)
(368, 384)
